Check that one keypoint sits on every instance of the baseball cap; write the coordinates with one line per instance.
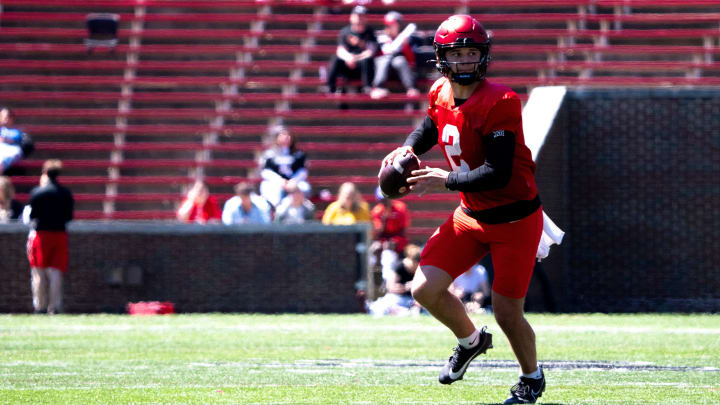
(359, 10)
(392, 17)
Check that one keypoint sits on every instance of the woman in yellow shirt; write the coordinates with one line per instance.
(348, 209)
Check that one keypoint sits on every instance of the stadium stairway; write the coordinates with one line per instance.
(192, 86)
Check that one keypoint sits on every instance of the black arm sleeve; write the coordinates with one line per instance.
(497, 170)
(424, 137)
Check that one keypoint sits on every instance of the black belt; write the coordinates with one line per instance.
(505, 213)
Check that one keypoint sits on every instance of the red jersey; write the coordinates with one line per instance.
(205, 213)
(491, 107)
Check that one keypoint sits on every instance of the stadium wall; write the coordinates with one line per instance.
(633, 177)
(200, 268)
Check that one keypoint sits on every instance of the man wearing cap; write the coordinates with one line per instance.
(396, 53)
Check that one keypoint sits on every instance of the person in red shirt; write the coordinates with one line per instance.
(390, 219)
(478, 126)
(199, 206)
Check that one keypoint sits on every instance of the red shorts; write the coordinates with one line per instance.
(48, 249)
(462, 241)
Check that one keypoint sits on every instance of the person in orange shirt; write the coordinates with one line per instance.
(198, 206)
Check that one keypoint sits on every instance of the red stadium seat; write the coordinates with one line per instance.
(192, 87)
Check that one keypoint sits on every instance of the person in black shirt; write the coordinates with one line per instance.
(50, 209)
(398, 299)
(355, 51)
(282, 168)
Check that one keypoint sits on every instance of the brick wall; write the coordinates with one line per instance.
(633, 177)
(309, 268)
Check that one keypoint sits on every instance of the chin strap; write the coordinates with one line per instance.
(465, 79)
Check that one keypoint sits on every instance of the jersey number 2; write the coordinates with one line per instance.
(451, 140)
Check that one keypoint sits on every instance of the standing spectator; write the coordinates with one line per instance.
(245, 208)
(354, 54)
(390, 220)
(199, 206)
(50, 209)
(295, 208)
(9, 207)
(13, 143)
(283, 167)
(348, 209)
(396, 52)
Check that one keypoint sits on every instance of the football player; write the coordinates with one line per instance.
(478, 126)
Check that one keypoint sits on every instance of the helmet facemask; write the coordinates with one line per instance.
(464, 78)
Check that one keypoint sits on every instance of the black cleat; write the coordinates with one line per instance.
(460, 360)
(527, 390)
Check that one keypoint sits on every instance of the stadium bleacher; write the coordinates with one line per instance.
(192, 86)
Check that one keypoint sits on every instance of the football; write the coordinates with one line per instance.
(393, 177)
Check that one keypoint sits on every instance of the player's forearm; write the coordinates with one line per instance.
(424, 137)
(482, 178)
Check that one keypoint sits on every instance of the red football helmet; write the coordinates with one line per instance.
(461, 31)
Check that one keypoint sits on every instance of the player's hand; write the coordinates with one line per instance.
(401, 151)
(428, 179)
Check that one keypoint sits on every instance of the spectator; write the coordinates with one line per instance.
(245, 208)
(9, 207)
(50, 209)
(473, 288)
(354, 54)
(295, 208)
(283, 167)
(14, 144)
(348, 209)
(398, 298)
(199, 206)
(390, 220)
(396, 52)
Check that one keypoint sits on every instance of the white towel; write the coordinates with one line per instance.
(551, 235)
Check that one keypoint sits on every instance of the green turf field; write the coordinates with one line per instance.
(354, 359)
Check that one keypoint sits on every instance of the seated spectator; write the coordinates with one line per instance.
(348, 209)
(9, 207)
(398, 300)
(473, 288)
(396, 52)
(14, 144)
(199, 206)
(283, 167)
(390, 220)
(295, 208)
(245, 207)
(354, 54)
